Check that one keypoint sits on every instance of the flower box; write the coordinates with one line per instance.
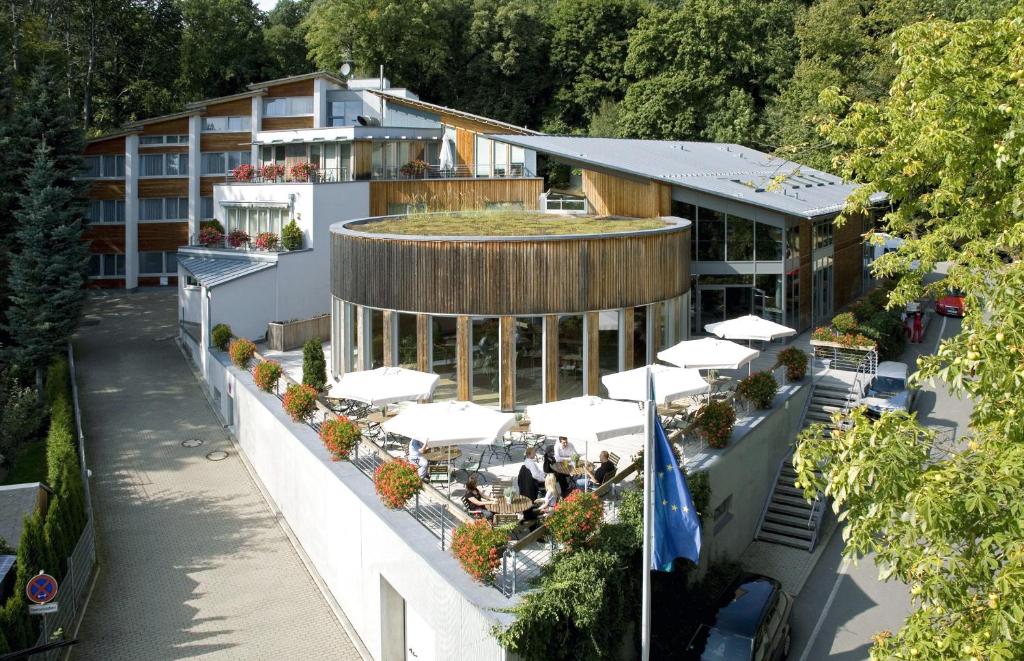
(288, 335)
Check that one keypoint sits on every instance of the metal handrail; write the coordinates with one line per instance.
(389, 172)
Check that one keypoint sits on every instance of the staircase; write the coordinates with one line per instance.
(789, 519)
(828, 397)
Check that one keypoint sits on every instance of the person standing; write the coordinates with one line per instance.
(918, 334)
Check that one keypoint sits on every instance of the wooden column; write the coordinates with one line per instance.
(627, 326)
(390, 338)
(463, 347)
(507, 362)
(423, 343)
(592, 365)
(549, 363)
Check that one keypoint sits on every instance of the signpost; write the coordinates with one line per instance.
(41, 589)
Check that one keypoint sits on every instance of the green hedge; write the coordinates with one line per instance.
(47, 541)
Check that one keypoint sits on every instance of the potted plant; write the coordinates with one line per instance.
(714, 421)
(303, 171)
(266, 374)
(396, 482)
(266, 241)
(795, 362)
(339, 436)
(478, 547)
(241, 352)
(220, 336)
(576, 518)
(271, 172)
(291, 235)
(299, 401)
(211, 237)
(238, 238)
(759, 389)
(415, 168)
(243, 172)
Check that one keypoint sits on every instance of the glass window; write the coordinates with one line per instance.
(92, 166)
(236, 124)
(151, 208)
(95, 265)
(608, 344)
(570, 356)
(823, 234)
(171, 262)
(500, 159)
(206, 207)
(640, 336)
(113, 265)
(212, 163)
(793, 242)
(768, 297)
(710, 235)
(443, 331)
(407, 341)
(793, 298)
(113, 166)
(769, 243)
(376, 338)
(484, 149)
(152, 165)
(486, 381)
(287, 106)
(529, 342)
(739, 239)
(151, 263)
(254, 220)
(151, 139)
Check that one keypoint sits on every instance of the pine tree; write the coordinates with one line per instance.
(47, 269)
(314, 366)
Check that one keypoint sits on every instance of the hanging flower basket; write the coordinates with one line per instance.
(271, 172)
(266, 374)
(396, 482)
(299, 401)
(303, 171)
(241, 352)
(714, 421)
(243, 172)
(576, 518)
(339, 436)
(478, 547)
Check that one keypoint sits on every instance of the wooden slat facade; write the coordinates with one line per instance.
(550, 366)
(390, 359)
(206, 184)
(229, 108)
(592, 357)
(423, 342)
(628, 316)
(285, 123)
(805, 274)
(519, 276)
(177, 126)
(463, 351)
(107, 146)
(163, 187)
(163, 149)
(294, 88)
(362, 159)
(225, 141)
(106, 189)
(453, 194)
(163, 236)
(610, 195)
(104, 238)
(848, 261)
(507, 362)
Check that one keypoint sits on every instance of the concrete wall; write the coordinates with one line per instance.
(745, 470)
(189, 300)
(351, 538)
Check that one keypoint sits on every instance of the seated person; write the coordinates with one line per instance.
(527, 485)
(531, 465)
(604, 472)
(416, 457)
(547, 504)
(564, 450)
(474, 501)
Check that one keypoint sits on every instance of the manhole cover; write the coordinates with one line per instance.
(191, 443)
(217, 455)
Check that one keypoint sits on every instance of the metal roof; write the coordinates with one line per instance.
(721, 169)
(213, 271)
(16, 502)
(433, 107)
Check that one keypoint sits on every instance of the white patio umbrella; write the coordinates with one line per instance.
(749, 327)
(447, 159)
(449, 423)
(708, 353)
(670, 383)
(586, 418)
(384, 385)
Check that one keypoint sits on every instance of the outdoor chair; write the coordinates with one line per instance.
(614, 458)
(502, 446)
(438, 475)
(506, 519)
(471, 466)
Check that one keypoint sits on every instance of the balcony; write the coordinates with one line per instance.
(386, 173)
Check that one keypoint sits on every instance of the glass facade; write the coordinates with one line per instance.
(485, 365)
(529, 343)
(608, 344)
(442, 335)
(570, 355)
(406, 340)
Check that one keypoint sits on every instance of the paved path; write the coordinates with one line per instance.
(193, 563)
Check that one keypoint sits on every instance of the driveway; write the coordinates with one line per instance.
(192, 560)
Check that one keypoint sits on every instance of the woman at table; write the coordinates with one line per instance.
(551, 497)
(475, 502)
(416, 457)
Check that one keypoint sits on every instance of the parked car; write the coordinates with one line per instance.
(750, 623)
(951, 304)
(888, 391)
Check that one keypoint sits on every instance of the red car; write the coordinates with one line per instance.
(951, 304)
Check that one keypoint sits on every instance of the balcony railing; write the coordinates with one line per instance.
(391, 173)
(561, 203)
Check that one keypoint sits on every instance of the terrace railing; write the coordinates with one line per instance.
(560, 203)
(388, 173)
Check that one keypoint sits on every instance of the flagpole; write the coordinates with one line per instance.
(649, 412)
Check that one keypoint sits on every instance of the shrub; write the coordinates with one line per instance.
(221, 336)
(241, 352)
(795, 362)
(885, 328)
(266, 241)
(759, 389)
(314, 366)
(266, 375)
(415, 168)
(396, 482)
(576, 518)
(715, 421)
(844, 322)
(478, 548)
(299, 401)
(271, 172)
(238, 238)
(211, 237)
(339, 436)
(291, 236)
(21, 416)
(243, 172)
(211, 223)
(303, 171)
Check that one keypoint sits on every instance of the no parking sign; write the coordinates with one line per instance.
(41, 589)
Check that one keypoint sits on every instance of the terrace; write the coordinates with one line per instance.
(504, 223)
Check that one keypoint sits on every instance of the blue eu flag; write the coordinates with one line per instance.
(676, 527)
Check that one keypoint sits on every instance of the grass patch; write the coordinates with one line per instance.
(505, 223)
(29, 464)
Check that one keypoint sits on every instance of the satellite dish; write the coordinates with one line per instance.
(346, 69)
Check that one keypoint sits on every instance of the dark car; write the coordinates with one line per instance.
(750, 623)
(952, 304)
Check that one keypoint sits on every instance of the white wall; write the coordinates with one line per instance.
(350, 537)
(189, 300)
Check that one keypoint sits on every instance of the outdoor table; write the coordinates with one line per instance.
(562, 468)
(518, 505)
(441, 454)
